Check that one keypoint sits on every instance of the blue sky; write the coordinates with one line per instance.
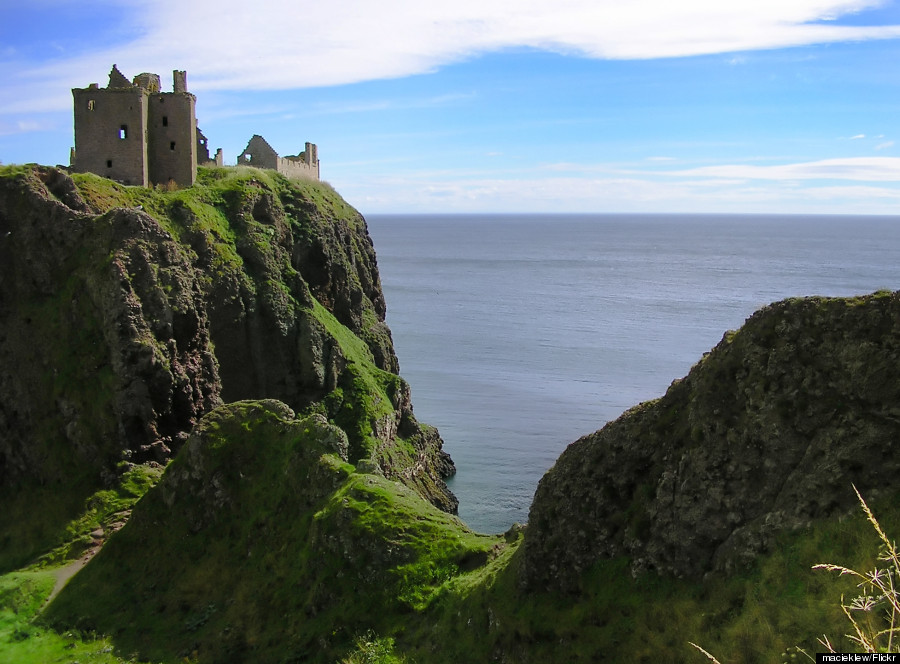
(503, 105)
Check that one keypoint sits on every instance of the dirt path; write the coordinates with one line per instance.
(63, 574)
(98, 537)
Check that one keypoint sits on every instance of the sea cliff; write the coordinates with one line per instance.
(200, 405)
(126, 314)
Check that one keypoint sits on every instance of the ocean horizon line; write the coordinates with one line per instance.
(620, 215)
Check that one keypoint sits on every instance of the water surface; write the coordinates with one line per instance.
(520, 333)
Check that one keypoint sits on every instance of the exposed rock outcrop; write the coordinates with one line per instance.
(767, 432)
(128, 313)
(104, 346)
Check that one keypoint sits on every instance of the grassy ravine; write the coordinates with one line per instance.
(265, 546)
(261, 544)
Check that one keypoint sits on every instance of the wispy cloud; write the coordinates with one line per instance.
(857, 137)
(870, 169)
(20, 127)
(426, 192)
(885, 145)
(282, 44)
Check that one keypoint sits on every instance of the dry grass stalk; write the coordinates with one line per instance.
(878, 592)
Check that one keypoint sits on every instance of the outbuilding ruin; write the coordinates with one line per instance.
(260, 154)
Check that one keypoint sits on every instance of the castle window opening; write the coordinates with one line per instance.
(165, 121)
(90, 104)
(109, 163)
(123, 132)
(172, 146)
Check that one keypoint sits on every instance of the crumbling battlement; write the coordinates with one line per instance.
(260, 154)
(136, 134)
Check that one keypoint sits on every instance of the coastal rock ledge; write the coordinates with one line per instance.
(767, 432)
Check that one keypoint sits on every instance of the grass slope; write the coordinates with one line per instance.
(265, 546)
(24, 593)
(750, 617)
(262, 544)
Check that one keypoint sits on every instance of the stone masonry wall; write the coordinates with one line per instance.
(109, 129)
(135, 134)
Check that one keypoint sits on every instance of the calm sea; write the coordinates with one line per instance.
(519, 334)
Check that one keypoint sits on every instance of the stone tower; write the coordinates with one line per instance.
(134, 133)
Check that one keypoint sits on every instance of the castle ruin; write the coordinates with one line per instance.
(260, 154)
(136, 134)
(132, 132)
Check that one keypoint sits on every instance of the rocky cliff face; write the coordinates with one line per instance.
(766, 433)
(126, 314)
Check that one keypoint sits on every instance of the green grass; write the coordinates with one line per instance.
(105, 509)
(367, 395)
(262, 519)
(13, 170)
(62, 368)
(23, 594)
(359, 568)
(751, 616)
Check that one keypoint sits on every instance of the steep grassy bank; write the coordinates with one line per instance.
(218, 598)
(751, 615)
(263, 544)
(25, 593)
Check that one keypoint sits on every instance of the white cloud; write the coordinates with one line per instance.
(281, 44)
(857, 137)
(427, 192)
(870, 169)
(885, 145)
(20, 127)
(807, 188)
(788, 188)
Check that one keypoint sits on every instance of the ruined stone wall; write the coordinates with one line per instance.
(110, 125)
(294, 167)
(172, 138)
(134, 133)
(260, 154)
